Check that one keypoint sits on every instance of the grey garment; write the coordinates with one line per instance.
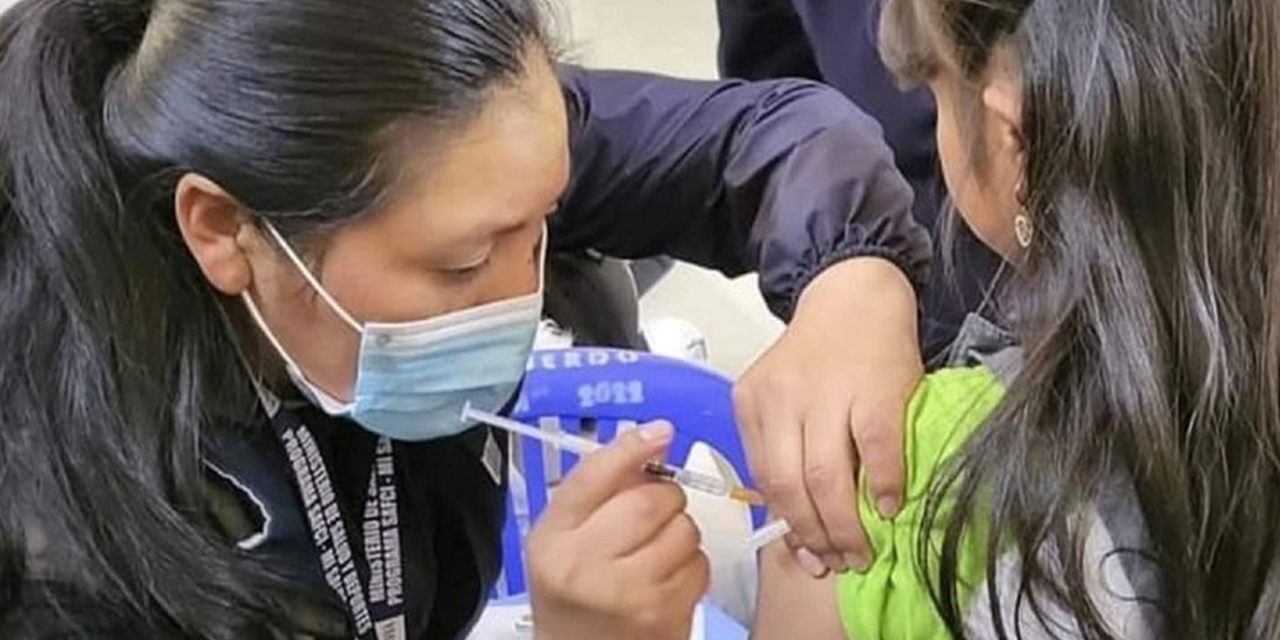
(649, 272)
(983, 342)
(595, 299)
(1123, 581)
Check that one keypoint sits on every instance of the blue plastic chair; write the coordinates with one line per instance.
(598, 393)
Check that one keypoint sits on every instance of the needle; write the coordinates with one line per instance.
(769, 534)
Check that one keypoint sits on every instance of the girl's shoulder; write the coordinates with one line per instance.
(893, 600)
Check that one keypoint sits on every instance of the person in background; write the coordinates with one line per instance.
(1110, 468)
(836, 43)
(257, 255)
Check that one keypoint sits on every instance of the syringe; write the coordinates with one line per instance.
(692, 480)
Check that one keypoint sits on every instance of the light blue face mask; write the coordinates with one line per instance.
(413, 379)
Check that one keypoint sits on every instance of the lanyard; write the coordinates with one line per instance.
(371, 585)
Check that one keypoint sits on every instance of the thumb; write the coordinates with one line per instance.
(606, 473)
(881, 449)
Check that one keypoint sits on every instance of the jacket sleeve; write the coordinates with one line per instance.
(763, 39)
(785, 178)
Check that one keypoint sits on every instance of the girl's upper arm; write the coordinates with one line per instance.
(792, 604)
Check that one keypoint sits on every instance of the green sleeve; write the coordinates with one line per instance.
(892, 600)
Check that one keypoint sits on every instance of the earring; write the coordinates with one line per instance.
(1025, 231)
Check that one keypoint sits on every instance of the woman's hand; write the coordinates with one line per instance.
(830, 396)
(614, 555)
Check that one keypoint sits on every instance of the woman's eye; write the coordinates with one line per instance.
(468, 272)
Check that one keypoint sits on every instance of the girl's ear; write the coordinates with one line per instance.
(1002, 98)
(213, 225)
(1006, 146)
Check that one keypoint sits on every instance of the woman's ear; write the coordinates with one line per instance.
(214, 227)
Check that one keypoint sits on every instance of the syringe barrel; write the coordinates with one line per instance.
(702, 482)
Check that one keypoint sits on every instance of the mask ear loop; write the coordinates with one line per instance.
(331, 405)
(270, 401)
(311, 279)
(261, 321)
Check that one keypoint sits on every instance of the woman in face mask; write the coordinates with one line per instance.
(256, 255)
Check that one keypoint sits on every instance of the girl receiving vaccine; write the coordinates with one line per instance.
(1107, 468)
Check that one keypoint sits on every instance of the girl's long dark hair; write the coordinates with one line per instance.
(116, 360)
(1147, 303)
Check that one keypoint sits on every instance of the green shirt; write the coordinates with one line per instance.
(892, 600)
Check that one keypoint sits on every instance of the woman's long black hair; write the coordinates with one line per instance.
(116, 360)
(1146, 305)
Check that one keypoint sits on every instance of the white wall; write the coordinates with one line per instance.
(671, 36)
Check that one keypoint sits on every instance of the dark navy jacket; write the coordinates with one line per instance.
(784, 178)
(835, 41)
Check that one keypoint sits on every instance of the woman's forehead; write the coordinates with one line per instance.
(507, 164)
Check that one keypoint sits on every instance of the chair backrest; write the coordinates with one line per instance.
(598, 393)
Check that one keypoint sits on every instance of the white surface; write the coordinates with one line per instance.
(672, 36)
(730, 313)
(499, 622)
(675, 338)
(726, 529)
